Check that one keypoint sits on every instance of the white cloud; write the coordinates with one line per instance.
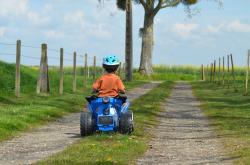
(99, 31)
(2, 31)
(13, 7)
(184, 30)
(76, 18)
(19, 9)
(232, 26)
(237, 26)
(37, 19)
(54, 34)
(92, 2)
(47, 8)
(216, 28)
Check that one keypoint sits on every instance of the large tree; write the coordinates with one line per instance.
(151, 8)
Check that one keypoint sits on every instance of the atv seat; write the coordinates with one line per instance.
(93, 97)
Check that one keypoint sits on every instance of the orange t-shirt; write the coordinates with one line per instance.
(109, 85)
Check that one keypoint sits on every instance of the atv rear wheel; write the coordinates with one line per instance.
(126, 125)
(86, 124)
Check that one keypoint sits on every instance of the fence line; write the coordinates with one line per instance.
(61, 72)
(43, 83)
(7, 44)
(39, 47)
(225, 74)
(247, 73)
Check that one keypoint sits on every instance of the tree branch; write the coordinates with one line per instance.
(162, 5)
(158, 7)
(144, 4)
(171, 4)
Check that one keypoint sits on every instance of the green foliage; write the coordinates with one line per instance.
(114, 148)
(189, 2)
(121, 4)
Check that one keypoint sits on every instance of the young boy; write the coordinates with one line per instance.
(109, 84)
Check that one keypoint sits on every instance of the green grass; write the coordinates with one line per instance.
(174, 73)
(31, 110)
(29, 79)
(114, 148)
(229, 111)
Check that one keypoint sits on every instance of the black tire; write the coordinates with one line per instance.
(126, 124)
(86, 124)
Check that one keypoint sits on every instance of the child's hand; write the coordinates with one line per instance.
(122, 95)
(121, 92)
(95, 91)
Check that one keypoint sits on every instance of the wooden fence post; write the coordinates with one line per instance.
(87, 72)
(18, 59)
(219, 72)
(124, 70)
(207, 72)
(119, 69)
(85, 69)
(247, 73)
(223, 71)
(43, 80)
(214, 74)
(228, 71)
(61, 72)
(233, 73)
(202, 73)
(74, 72)
(211, 72)
(94, 68)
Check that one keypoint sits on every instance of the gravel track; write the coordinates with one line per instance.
(184, 135)
(41, 142)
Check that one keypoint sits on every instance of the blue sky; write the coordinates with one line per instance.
(86, 26)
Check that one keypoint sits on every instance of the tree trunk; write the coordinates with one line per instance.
(129, 42)
(147, 44)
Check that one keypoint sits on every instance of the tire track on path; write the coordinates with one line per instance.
(184, 135)
(54, 137)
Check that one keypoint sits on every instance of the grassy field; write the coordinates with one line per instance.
(31, 110)
(229, 111)
(173, 73)
(29, 79)
(116, 148)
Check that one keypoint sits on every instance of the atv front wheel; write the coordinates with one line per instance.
(86, 124)
(126, 125)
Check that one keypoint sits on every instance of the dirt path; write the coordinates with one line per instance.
(184, 135)
(31, 147)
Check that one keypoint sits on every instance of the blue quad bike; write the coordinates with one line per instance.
(106, 114)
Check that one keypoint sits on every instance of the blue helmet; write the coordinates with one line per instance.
(110, 60)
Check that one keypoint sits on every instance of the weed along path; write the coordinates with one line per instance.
(40, 143)
(184, 135)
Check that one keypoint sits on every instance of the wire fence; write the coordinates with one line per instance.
(76, 69)
(51, 54)
(224, 73)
